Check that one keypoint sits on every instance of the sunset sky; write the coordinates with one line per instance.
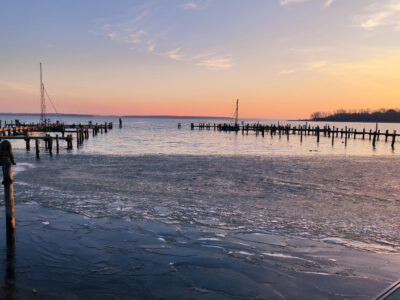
(281, 58)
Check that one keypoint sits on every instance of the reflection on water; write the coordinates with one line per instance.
(9, 288)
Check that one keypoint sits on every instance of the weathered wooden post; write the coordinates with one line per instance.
(355, 133)
(374, 140)
(105, 127)
(363, 134)
(393, 139)
(45, 142)
(301, 134)
(28, 144)
(120, 123)
(317, 134)
(386, 135)
(50, 142)
(7, 160)
(69, 142)
(37, 145)
(77, 138)
(57, 144)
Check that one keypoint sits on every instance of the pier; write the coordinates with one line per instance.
(52, 134)
(301, 130)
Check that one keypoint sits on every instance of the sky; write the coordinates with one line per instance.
(280, 58)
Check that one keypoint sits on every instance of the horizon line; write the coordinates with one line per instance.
(136, 116)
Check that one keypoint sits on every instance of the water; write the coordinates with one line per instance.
(141, 136)
(268, 202)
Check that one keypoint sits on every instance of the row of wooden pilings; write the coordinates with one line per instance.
(301, 130)
(30, 133)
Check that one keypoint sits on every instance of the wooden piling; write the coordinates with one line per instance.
(50, 144)
(57, 144)
(37, 146)
(394, 138)
(9, 202)
(77, 138)
(374, 140)
(46, 145)
(301, 135)
(7, 160)
(28, 144)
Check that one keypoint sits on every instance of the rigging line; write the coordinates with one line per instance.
(233, 114)
(52, 104)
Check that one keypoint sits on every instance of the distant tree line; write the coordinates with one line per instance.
(365, 115)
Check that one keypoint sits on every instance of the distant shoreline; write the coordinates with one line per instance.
(362, 116)
(350, 121)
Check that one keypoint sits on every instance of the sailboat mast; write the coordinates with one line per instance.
(237, 113)
(42, 99)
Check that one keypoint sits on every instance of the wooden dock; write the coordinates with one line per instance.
(302, 130)
(51, 134)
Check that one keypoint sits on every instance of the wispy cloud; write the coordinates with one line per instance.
(190, 5)
(288, 72)
(17, 86)
(286, 2)
(382, 13)
(327, 3)
(217, 63)
(317, 65)
(149, 31)
(174, 54)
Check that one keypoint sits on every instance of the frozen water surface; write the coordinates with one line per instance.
(339, 200)
(152, 212)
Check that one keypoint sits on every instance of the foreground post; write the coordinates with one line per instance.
(7, 160)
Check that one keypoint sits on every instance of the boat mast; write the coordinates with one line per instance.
(237, 113)
(42, 99)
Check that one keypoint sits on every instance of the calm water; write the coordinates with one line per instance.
(227, 187)
(160, 136)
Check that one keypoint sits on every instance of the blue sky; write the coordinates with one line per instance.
(161, 57)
